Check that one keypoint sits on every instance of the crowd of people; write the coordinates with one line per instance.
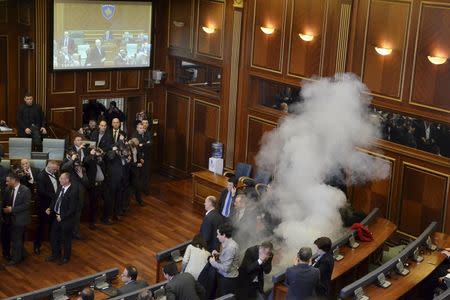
(68, 54)
(416, 133)
(212, 265)
(104, 166)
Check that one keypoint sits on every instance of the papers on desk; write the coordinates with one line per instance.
(5, 129)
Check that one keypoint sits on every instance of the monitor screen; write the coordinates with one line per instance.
(101, 34)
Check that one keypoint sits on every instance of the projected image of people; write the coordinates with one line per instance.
(101, 34)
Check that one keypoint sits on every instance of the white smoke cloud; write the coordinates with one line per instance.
(311, 145)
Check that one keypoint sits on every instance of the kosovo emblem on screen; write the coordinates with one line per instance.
(108, 11)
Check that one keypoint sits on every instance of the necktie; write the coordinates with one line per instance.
(115, 135)
(58, 201)
(227, 206)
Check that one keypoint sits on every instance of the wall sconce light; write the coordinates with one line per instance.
(383, 51)
(267, 30)
(178, 24)
(208, 30)
(306, 37)
(437, 60)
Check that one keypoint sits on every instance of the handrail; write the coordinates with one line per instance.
(386, 267)
(166, 253)
(69, 285)
(133, 294)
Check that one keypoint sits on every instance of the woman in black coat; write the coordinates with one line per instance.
(325, 263)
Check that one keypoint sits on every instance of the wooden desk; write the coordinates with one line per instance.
(381, 228)
(4, 139)
(417, 272)
(206, 183)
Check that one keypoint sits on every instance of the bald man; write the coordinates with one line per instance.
(29, 174)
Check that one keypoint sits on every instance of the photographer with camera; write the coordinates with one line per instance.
(102, 137)
(115, 174)
(73, 165)
(79, 148)
(88, 129)
(96, 173)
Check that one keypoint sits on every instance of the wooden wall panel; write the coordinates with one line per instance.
(423, 197)
(3, 76)
(64, 117)
(256, 127)
(306, 57)
(430, 86)
(177, 131)
(18, 66)
(104, 76)
(267, 49)
(375, 193)
(128, 80)
(387, 27)
(180, 26)
(63, 82)
(210, 14)
(3, 11)
(206, 127)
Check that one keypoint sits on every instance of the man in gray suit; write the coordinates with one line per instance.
(181, 286)
(16, 215)
(129, 278)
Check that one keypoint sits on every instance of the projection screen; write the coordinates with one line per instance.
(101, 34)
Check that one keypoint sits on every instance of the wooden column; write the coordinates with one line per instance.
(234, 75)
(41, 51)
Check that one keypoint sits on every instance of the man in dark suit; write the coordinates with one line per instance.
(67, 41)
(243, 219)
(129, 278)
(257, 262)
(63, 209)
(75, 168)
(102, 137)
(3, 173)
(96, 173)
(47, 187)
(136, 169)
(181, 286)
(325, 264)
(211, 222)
(227, 198)
(79, 148)
(96, 55)
(28, 175)
(117, 133)
(16, 215)
(145, 141)
(147, 153)
(302, 279)
(31, 120)
(114, 168)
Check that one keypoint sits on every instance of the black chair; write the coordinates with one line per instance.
(262, 177)
(242, 170)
